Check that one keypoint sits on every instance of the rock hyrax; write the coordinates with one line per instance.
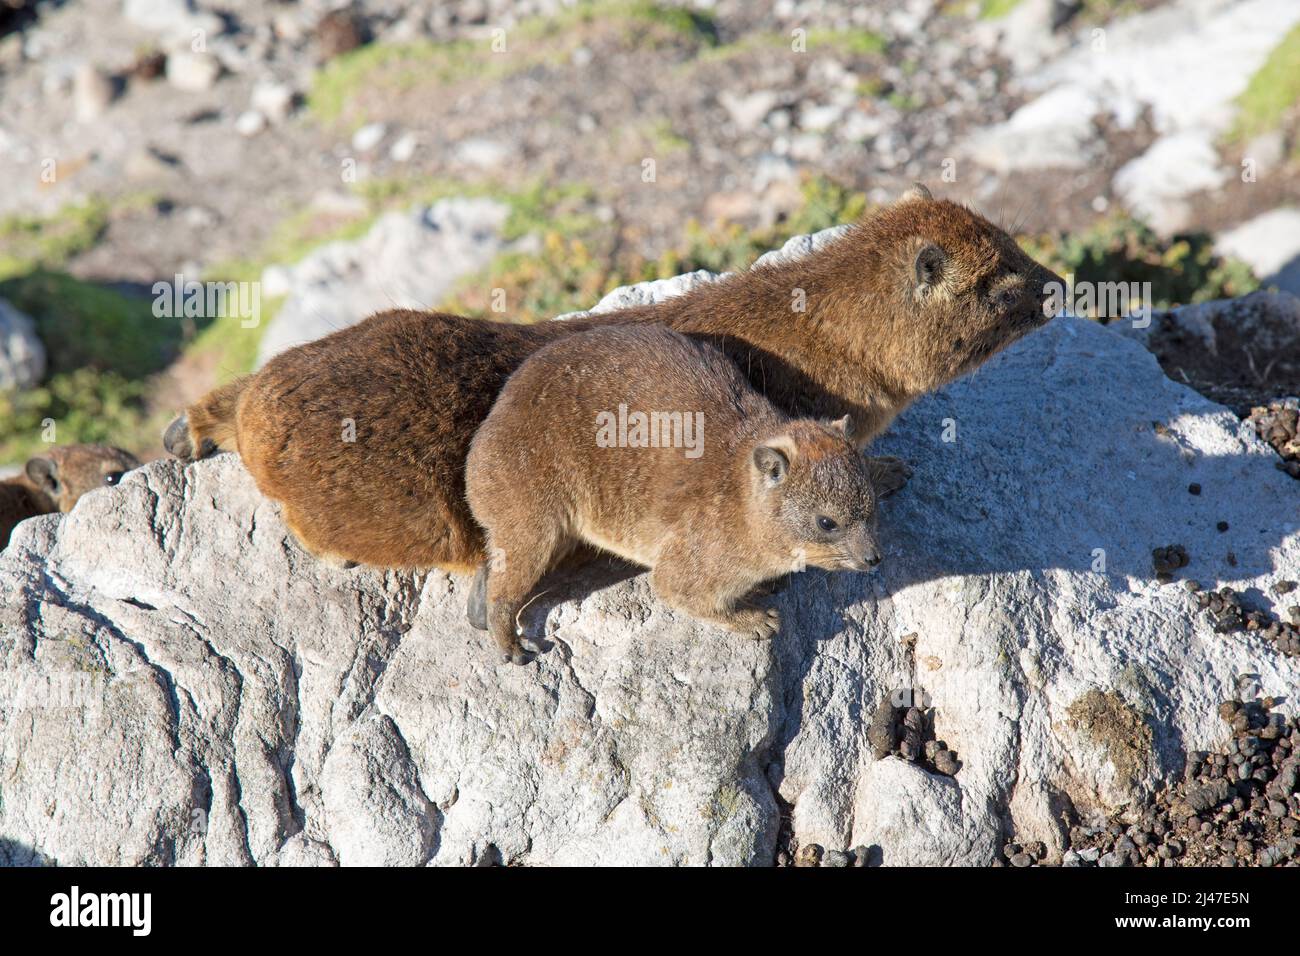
(362, 435)
(56, 480)
(653, 446)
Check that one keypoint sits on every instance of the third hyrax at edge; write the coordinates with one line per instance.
(654, 446)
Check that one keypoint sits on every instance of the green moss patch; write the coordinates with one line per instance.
(572, 272)
(1182, 270)
(537, 41)
(1273, 92)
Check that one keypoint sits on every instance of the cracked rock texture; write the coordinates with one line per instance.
(180, 684)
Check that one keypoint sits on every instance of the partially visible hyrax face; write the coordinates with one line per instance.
(814, 494)
(67, 472)
(961, 282)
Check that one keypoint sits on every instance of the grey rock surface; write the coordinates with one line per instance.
(1270, 245)
(407, 260)
(22, 356)
(180, 684)
(1121, 72)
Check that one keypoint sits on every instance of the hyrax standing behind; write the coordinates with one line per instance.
(655, 447)
(56, 480)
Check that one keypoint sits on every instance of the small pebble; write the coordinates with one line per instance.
(809, 855)
(836, 858)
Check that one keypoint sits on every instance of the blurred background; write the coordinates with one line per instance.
(520, 158)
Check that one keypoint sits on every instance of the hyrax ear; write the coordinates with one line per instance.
(918, 191)
(843, 426)
(44, 474)
(929, 266)
(772, 464)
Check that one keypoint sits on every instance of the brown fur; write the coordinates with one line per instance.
(727, 508)
(872, 337)
(57, 480)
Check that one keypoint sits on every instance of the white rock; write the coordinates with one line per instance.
(275, 101)
(250, 123)
(92, 92)
(774, 169)
(1157, 185)
(22, 356)
(1184, 62)
(818, 119)
(174, 19)
(192, 72)
(808, 147)
(1270, 245)
(1054, 131)
(483, 153)
(858, 127)
(748, 110)
(403, 150)
(407, 260)
(368, 137)
(168, 656)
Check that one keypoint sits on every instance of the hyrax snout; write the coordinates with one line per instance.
(654, 447)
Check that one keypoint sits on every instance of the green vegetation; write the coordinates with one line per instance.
(1182, 270)
(1094, 11)
(106, 347)
(852, 42)
(100, 344)
(1273, 92)
(996, 9)
(572, 271)
(28, 242)
(847, 43)
(230, 350)
(537, 41)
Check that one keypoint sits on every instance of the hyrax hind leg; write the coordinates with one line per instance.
(708, 592)
(516, 562)
(325, 556)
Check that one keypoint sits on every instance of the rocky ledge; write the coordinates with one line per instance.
(179, 684)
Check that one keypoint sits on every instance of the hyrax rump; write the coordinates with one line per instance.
(653, 446)
(56, 480)
(907, 299)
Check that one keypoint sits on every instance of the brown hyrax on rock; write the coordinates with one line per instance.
(654, 447)
(56, 480)
(362, 435)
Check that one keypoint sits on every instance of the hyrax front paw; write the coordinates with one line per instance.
(889, 474)
(757, 622)
(176, 439)
(518, 656)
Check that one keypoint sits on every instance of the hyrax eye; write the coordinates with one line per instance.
(1008, 297)
(113, 477)
(826, 524)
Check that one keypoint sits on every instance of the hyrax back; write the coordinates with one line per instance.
(910, 297)
(56, 480)
(653, 446)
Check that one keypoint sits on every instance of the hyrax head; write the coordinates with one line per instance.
(67, 472)
(813, 495)
(961, 285)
